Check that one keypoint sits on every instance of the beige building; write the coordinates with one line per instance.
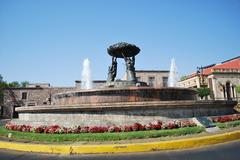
(31, 95)
(154, 78)
(221, 78)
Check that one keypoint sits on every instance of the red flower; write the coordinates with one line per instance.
(187, 123)
(76, 129)
(126, 128)
(117, 129)
(84, 130)
(157, 125)
(137, 127)
(147, 127)
(39, 129)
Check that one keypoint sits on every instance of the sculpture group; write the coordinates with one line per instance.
(128, 53)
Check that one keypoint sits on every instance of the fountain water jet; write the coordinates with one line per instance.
(86, 82)
(173, 75)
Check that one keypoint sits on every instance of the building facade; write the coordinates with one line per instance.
(154, 78)
(31, 95)
(221, 78)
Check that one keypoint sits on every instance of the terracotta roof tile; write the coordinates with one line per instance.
(230, 64)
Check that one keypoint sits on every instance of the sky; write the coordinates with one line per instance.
(47, 40)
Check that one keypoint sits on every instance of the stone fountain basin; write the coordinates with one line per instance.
(121, 106)
(129, 94)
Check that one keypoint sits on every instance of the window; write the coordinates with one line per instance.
(165, 81)
(138, 78)
(31, 104)
(151, 81)
(24, 95)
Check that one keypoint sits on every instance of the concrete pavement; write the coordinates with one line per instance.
(229, 151)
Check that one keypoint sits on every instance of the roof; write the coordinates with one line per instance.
(165, 71)
(233, 63)
(229, 64)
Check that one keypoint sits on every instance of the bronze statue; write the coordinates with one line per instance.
(130, 69)
(112, 70)
(127, 52)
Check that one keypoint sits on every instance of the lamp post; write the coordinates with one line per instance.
(200, 73)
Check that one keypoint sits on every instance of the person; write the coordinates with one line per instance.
(112, 70)
(130, 62)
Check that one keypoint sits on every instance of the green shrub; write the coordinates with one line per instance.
(238, 89)
(203, 92)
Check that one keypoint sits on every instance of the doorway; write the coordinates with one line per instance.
(228, 90)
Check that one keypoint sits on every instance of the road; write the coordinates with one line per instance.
(229, 151)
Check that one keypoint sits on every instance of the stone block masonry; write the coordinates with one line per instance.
(30, 96)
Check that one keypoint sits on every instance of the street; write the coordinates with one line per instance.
(229, 151)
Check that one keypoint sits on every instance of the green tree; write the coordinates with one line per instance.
(24, 84)
(1, 78)
(203, 92)
(183, 78)
(238, 89)
(3, 85)
(14, 84)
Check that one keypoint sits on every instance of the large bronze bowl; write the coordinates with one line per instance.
(123, 49)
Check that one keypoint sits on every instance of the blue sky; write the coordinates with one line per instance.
(47, 40)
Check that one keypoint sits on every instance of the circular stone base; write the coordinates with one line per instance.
(110, 114)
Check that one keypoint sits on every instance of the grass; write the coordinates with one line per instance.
(228, 124)
(99, 136)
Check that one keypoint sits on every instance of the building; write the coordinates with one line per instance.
(154, 78)
(221, 78)
(32, 95)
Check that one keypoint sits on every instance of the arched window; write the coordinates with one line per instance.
(228, 90)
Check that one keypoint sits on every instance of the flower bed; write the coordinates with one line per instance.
(226, 118)
(56, 129)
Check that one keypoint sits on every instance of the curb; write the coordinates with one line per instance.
(122, 148)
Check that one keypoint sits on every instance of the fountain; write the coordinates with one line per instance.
(173, 75)
(121, 102)
(86, 82)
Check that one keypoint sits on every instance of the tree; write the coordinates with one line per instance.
(183, 78)
(24, 84)
(203, 92)
(14, 84)
(1, 78)
(3, 85)
(238, 89)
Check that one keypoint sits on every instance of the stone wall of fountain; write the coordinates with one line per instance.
(130, 94)
(109, 114)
